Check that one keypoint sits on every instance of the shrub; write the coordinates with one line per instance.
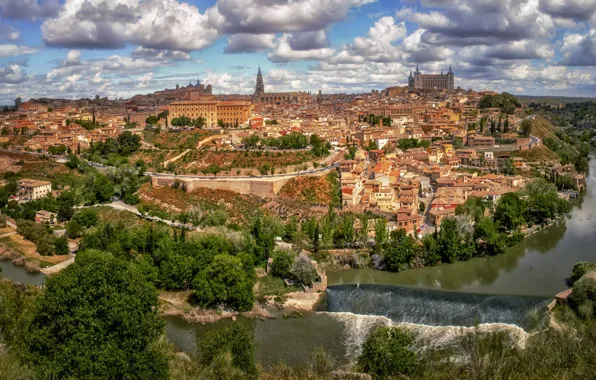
(303, 271)
(579, 270)
(282, 263)
(234, 340)
(386, 352)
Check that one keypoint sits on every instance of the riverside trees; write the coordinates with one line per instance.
(97, 319)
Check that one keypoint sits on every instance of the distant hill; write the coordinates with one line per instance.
(527, 99)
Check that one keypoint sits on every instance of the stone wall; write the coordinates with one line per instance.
(265, 187)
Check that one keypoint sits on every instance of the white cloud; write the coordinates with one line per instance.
(579, 50)
(109, 24)
(10, 50)
(273, 16)
(283, 52)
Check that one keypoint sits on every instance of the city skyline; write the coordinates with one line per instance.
(82, 48)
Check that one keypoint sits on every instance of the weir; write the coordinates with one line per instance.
(402, 304)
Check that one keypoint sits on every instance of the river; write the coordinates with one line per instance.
(502, 293)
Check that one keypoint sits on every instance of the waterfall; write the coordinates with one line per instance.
(358, 327)
(402, 304)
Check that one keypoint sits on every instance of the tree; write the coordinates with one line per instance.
(526, 127)
(234, 340)
(128, 143)
(225, 281)
(221, 124)
(510, 211)
(199, 122)
(17, 102)
(104, 190)
(430, 251)
(316, 240)
(492, 242)
(380, 233)
(112, 318)
(387, 353)
(449, 241)
(282, 263)
(152, 120)
(399, 251)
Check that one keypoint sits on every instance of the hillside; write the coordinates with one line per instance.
(542, 128)
(313, 190)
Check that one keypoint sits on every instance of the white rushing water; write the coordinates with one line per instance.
(357, 328)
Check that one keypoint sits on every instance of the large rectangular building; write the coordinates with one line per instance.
(231, 113)
(441, 81)
(32, 189)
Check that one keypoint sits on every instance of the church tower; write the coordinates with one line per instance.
(260, 87)
(450, 79)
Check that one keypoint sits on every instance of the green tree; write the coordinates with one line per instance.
(492, 242)
(526, 127)
(225, 281)
(234, 340)
(430, 251)
(96, 319)
(282, 263)
(449, 241)
(17, 102)
(152, 120)
(104, 190)
(400, 251)
(387, 352)
(510, 211)
(380, 233)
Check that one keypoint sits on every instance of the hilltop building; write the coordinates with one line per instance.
(441, 81)
(231, 113)
(260, 96)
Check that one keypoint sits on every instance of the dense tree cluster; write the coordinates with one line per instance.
(505, 101)
(124, 145)
(293, 140)
(405, 144)
(47, 243)
(219, 269)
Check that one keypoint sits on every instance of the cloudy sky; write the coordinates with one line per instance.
(75, 48)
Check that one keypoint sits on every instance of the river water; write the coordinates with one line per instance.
(502, 293)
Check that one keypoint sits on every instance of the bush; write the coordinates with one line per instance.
(386, 352)
(282, 263)
(224, 282)
(584, 294)
(303, 271)
(579, 270)
(234, 340)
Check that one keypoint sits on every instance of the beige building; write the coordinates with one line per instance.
(230, 112)
(33, 189)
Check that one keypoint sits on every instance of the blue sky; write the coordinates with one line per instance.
(76, 48)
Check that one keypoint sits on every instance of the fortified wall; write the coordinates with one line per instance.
(264, 187)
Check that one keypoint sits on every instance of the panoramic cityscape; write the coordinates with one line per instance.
(297, 189)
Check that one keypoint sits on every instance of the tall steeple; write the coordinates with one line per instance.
(417, 72)
(260, 86)
(198, 82)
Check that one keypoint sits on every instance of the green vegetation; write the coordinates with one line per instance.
(294, 140)
(112, 319)
(124, 145)
(405, 144)
(387, 353)
(235, 341)
(506, 102)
